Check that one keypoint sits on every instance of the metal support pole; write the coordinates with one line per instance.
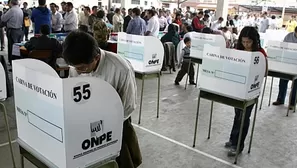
(8, 134)
(270, 91)
(210, 120)
(290, 98)
(188, 74)
(158, 101)
(254, 122)
(197, 75)
(196, 122)
(240, 133)
(141, 97)
(263, 93)
(22, 161)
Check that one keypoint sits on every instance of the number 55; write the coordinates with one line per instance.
(81, 92)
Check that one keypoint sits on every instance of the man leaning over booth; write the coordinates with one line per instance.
(81, 51)
(283, 83)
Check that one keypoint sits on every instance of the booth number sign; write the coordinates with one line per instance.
(81, 92)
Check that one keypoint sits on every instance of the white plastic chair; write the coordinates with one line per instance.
(179, 49)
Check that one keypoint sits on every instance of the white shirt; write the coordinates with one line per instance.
(57, 21)
(119, 73)
(162, 22)
(273, 24)
(70, 21)
(153, 26)
(169, 19)
(84, 20)
(216, 25)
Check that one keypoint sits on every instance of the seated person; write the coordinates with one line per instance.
(43, 42)
(171, 36)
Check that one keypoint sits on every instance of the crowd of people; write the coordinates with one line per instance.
(89, 30)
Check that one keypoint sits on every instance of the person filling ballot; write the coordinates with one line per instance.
(81, 51)
(249, 40)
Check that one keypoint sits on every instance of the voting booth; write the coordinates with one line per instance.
(231, 77)
(275, 35)
(199, 39)
(3, 90)
(233, 73)
(146, 54)
(282, 64)
(71, 123)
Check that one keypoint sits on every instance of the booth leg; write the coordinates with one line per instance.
(158, 101)
(270, 91)
(254, 122)
(141, 97)
(8, 134)
(196, 122)
(240, 134)
(295, 103)
(22, 161)
(197, 74)
(263, 93)
(210, 120)
(188, 74)
(290, 98)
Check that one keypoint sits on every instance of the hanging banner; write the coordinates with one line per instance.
(72, 122)
(145, 53)
(233, 73)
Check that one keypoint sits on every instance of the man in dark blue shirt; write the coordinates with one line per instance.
(41, 16)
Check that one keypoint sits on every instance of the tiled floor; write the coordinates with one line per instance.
(166, 142)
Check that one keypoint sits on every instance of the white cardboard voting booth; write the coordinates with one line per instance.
(199, 39)
(233, 73)
(3, 91)
(74, 122)
(275, 35)
(282, 56)
(145, 53)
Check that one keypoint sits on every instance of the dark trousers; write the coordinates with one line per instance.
(184, 70)
(236, 126)
(130, 155)
(2, 37)
(26, 32)
(283, 85)
(13, 36)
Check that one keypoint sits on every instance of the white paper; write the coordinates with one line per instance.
(16, 50)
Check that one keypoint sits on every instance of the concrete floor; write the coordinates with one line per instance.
(166, 142)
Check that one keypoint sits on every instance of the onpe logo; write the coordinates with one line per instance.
(256, 84)
(153, 60)
(96, 127)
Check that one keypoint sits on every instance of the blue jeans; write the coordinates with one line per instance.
(234, 136)
(283, 85)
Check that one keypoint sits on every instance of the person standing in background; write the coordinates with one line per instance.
(41, 16)
(197, 23)
(217, 24)
(63, 11)
(70, 20)
(13, 18)
(168, 17)
(137, 25)
(27, 21)
(93, 17)
(84, 19)
(26, 9)
(264, 24)
(153, 25)
(206, 20)
(123, 12)
(127, 19)
(290, 27)
(56, 19)
(273, 23)
(100, 31)
(110, 16)
(162, 21)
(117, 20)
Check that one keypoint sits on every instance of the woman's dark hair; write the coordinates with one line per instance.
(189, 28)
(251, 33)
(80, 48)
(100, 14)
(236, 17)
(171, 29)
(70, 4)
(234, 30)
(207, 30)
(45, 29)
(117, 10)
(142, 15)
